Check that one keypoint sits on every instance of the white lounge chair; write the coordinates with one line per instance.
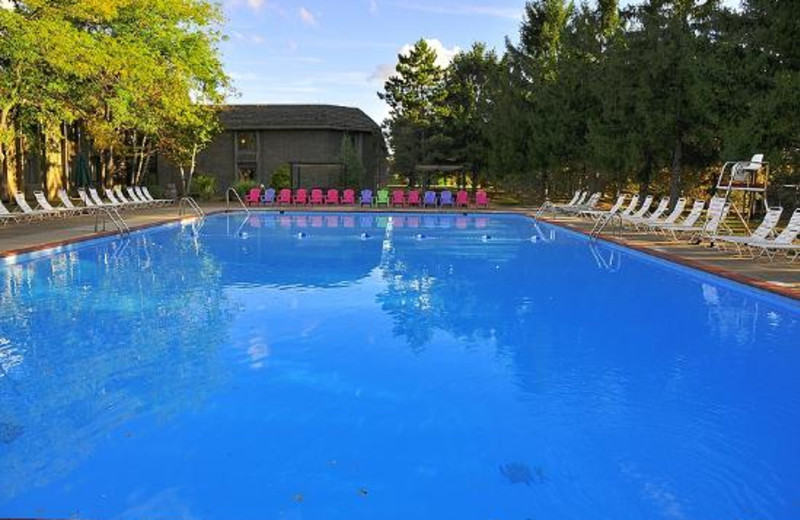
(67, 203)
(630, 207)
(114, 202)
(99, 201)
(589, 205)
(553, 205)
(132, 195)
(598, 214)
(637, 221)
(121, 197)
(86, 199)
(40, 214)
(581, 199)
(45, 205)
(655, 221)
(641, 212)
(149, 197)
(785, 241)
(7, 217)
(715, 219)
(688, 222)
(762, 232)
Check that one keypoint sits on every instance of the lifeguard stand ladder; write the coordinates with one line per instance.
(744, 180)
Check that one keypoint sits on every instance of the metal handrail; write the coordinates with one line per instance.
(115, 218)
(238, 197)
(192, 204)
(601, 224)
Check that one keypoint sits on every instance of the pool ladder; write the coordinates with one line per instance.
(192, 204)
(603, 221)
(236, 195)
(110, 213)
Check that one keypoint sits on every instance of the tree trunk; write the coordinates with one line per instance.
(141, 158)
(677, 165)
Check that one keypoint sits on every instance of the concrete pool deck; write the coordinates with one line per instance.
(780, 277)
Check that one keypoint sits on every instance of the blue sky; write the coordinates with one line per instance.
(341, 51)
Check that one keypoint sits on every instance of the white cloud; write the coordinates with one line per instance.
(443, 55)
(255, 4)
(373, 7)
(257, 39)
(308, 17)
(382, 73)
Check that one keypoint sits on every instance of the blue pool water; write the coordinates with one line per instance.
(330, 366)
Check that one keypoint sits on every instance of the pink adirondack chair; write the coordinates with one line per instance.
(253, 196)
(332, 197)
(413, 198)
(316, 197)
(481, 198)
(462, 198)
(285, 196)
(349, 197)
(398, 197)
(300, 196)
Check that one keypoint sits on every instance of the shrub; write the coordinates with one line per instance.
(204, 187)
(244, 186)
(281, 177)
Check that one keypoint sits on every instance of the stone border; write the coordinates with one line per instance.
(787, 292)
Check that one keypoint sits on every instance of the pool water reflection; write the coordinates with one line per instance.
(390, 366)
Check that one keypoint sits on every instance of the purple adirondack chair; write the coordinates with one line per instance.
(446, 198)
(366, 197)
(429, 199)
(268, 197)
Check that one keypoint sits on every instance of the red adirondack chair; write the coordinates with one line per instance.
(300, 196)
(398, 197)
(285, 196)
(332, 197)
(253, 196)
(316, 197)
(413, 198)
(481, 198)
(462, 198)
(349, 197)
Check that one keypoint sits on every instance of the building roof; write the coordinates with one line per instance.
(296, 117)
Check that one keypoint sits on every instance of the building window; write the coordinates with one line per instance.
(246, 142)
(247, 172)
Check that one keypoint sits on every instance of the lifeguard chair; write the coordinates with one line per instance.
(743, 183)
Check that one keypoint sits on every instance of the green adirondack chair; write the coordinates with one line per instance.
(382, 197)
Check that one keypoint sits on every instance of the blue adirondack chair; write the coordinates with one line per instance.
(268, 197)
(366, 197)
(446, 198)
(429, 199)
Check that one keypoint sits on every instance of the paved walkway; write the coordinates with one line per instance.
(780, 276)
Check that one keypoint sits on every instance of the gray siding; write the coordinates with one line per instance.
(276, 147)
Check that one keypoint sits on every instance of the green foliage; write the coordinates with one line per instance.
(139, 76)
(656, 95)
(204, 187)
(281, 177)
(352, 167)
(243, 186)
(415, 95)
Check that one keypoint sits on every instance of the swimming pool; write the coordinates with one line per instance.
(368, 366)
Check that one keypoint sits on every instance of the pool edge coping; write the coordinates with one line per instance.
(743, 279)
